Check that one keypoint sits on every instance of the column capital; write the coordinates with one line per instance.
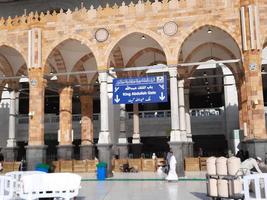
(173, 71)
(181, 83)
(36, 77)
(12, 94)
(66, 89)
(87, 90)
(111, 72)
(246, 2)
(102, 76)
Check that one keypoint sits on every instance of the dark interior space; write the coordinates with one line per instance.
(212, 145)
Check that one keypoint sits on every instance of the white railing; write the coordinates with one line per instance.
(204, 112)
(151, 114)
(50, 118)
(156, 114)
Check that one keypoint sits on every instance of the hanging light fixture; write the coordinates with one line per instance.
(53, 78)
(143, 37)
(211, 56)
(209, 31)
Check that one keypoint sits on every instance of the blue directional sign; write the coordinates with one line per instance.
(149, 89)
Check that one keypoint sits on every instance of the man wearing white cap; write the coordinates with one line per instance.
(249, 164)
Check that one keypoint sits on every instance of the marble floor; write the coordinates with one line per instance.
(143, 186)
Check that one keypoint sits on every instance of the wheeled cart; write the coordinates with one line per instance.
(224, 187)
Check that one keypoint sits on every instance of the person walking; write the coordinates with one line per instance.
(172, 176)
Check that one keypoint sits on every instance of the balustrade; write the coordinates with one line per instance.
(199, 112)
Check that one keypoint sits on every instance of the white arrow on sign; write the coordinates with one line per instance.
(116, 89)
(161, 86)
(161, 97)
(117, 99)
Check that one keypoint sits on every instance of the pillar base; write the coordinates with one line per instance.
(186, 149)
(11, 142)
(105, 155)
(255, 148)
(65, 152)
(10, 154)
(34, 155)
(136, 150)
(123, 150)
(190, 149)
(177, 149)
(87, 152)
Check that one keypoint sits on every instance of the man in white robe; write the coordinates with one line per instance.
(172, 176)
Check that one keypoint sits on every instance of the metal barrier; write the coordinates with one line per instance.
(255, 186)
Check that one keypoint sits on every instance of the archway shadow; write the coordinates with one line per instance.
(80, 198)
(200, 195)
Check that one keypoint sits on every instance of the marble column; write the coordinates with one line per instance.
(104, 142)
(104, 135)
(36, 150)
(122, 140)
(136, 128)
(65, 147)
(136, 146)
(175, 133)
(11, 150)
(182, 121)
(87, 131)
(231, 110)
(181, 106)
(176, 144)
(188, 123)
(113, 111)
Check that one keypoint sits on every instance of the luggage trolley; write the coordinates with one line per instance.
(224, 187)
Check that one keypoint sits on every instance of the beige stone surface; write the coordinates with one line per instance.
(65, 123)
(148, 19)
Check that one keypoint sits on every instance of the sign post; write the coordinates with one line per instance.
(149, 89)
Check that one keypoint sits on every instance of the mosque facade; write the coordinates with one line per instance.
(85, 46)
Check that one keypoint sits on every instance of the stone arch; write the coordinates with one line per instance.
(118, 59)
(18, 48)
(163, 43)
(221, 47)
(22, 70)
(237, 76)
(60, 63)
(235, 36)
(79, 38)
(214, 44)
(141, 52)
(7, 68)
(79, 67)
(61, 67)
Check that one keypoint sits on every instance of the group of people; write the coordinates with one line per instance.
(22, 166)
(248, 165)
